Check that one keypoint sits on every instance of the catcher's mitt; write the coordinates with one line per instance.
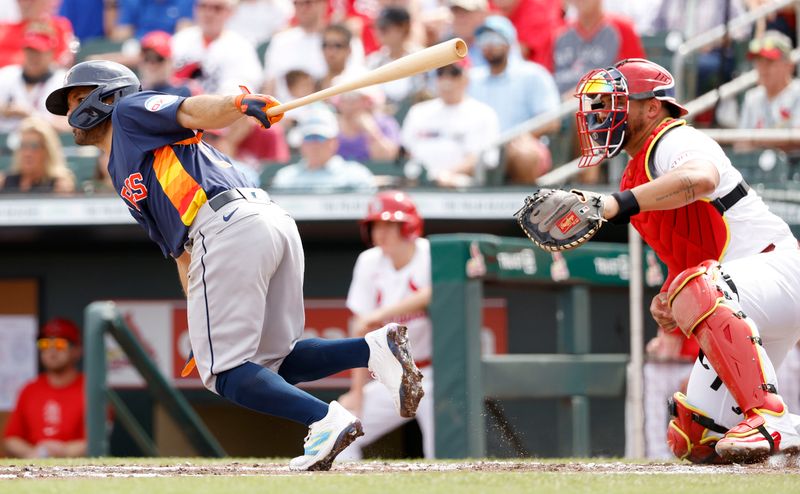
(559, 220)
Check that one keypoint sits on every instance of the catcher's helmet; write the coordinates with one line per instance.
(108, 79)
(602, 125)
(394, 206)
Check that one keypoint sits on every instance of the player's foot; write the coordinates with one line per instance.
(327, 438)
(391, 363)
(763, 432)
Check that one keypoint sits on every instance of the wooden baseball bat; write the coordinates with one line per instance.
(430, 58)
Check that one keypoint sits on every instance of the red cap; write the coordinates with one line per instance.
(159, 42)
(39, 41)
(62, 328)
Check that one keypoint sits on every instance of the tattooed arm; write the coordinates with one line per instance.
(681, 186)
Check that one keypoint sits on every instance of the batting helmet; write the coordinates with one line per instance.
(393, 206)
(108, 79)
(602, 124)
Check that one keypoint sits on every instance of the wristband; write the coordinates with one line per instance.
(628, 206)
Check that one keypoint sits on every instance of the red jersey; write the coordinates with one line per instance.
(44, 412)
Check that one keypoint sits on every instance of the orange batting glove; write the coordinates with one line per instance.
(256, 106)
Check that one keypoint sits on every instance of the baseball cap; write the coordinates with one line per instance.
(62, 328)
(321, 124)
(455, 68)
(471, 5)
(500, 25)
(393, 16)
(159, 42)
(39, 41)
(773, 45)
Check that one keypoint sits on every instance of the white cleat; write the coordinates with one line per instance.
(327, 438)
(391, 364)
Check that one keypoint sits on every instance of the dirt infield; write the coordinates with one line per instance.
(235, 468)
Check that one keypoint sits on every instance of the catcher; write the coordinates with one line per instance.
(683, 195)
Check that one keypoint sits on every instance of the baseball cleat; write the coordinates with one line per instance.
(763, 432)
(327, 438)
(391, 364)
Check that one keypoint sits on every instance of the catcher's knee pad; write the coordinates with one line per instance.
(690, 434)
(702, 304)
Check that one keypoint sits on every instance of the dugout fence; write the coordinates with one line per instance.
(465, 381)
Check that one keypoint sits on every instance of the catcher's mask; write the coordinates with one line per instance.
(603, 96)
(393, 206)
(107, 79)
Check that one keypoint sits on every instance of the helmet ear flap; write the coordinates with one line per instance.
(91, 111)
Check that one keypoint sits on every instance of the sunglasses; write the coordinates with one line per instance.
(449, 71)
(57, 343)
(153, 59)
(333, 45)
(216, 7)
(305, 3)
(491, 38)
(31, 145)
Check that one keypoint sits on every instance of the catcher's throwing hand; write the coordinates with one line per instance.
(556, 220)
(256, 106)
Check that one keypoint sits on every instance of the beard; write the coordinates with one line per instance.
(93, 136)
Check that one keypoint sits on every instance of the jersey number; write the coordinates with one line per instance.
(134, 190)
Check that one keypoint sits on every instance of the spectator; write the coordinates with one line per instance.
(35, 15)
(259, 20)
(321, 168)
(139, 17)
(593, 39)
(445, 135)
(365, 132)
(155, 65)
(48, 420)
(91, 19)
(38, 164)
(517, 90)
(468, 16)
(536, 22)
(336, 49)
(299, 83)
(219, 59)
(300, 48)
(23, 88)
(775, 102)
(391, 283)
(394, 30)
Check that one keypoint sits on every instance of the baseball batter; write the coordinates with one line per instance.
(239, 256)
(689, 203)
(391, 283)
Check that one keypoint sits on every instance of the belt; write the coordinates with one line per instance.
(727, 201)
(223, 198)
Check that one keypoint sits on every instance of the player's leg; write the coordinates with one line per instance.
(706, 305)
(230, 302)
(315, 358)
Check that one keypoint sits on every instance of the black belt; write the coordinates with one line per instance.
(224, 198)
(727, 201)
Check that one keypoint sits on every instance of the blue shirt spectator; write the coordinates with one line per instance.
(143, 16)
(86, 17)
(517, 90)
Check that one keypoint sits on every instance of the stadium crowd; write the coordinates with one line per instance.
(437, 129)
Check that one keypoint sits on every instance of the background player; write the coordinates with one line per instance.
(391, 283)
(692, 207)
(239, 255)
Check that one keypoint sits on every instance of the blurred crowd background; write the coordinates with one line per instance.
(452, 128)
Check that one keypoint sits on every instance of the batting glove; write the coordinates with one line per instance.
(256, 105)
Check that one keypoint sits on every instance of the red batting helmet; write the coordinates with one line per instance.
(602, 125)
(394, 206)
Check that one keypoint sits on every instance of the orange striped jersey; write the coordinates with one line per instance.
(164, 172)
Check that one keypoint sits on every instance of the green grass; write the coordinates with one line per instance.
(752, 481)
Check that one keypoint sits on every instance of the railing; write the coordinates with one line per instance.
(714, 36)
(103, 318)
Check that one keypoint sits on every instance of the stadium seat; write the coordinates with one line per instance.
(268, 173)
(96, 46)
(82, 166)
(762, 166)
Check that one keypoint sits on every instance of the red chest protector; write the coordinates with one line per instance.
(682, 237)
